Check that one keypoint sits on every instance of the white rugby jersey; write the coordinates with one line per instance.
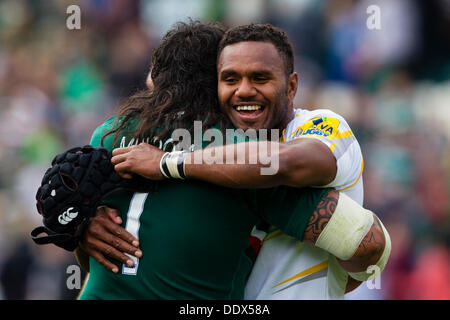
(289, 269)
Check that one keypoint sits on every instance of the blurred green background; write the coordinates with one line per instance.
(392, 85)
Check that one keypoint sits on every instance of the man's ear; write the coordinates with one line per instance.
(292, 86)
(149, 81)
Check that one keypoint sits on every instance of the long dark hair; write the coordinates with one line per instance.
(184, 76)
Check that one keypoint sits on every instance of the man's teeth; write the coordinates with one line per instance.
(253, 107)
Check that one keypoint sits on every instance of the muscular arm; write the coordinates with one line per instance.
(263, 164)
(369, 250)
(298, 163)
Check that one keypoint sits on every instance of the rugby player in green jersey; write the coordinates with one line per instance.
(197, 247)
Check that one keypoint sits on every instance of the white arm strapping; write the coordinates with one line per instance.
(346, 228)
(172, 164)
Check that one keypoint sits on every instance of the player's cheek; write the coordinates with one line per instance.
(224, 95)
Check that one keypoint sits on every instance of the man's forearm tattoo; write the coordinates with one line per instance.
(321, 216)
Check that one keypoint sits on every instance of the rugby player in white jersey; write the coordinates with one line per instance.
(256, 87)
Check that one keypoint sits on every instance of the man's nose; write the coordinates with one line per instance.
(245, 89)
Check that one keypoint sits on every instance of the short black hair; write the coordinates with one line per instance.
(261, 33)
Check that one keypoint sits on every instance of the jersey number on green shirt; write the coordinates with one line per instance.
(132, 226)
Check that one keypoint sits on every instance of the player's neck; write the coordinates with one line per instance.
(289, 116)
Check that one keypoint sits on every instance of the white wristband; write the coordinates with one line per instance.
(172, 165)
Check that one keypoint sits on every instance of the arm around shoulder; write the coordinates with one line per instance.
(353, 234)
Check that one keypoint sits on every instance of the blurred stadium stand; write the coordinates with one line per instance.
(392, 85)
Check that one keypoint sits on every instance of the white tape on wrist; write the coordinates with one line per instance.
(161, 162)
(365, 275)
(346, 228)
(172, 165)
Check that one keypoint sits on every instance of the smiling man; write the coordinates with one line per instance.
(256, 68)
(254, 89)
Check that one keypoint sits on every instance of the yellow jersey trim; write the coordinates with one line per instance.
(275, 235)
(313, 269)
(360, 175)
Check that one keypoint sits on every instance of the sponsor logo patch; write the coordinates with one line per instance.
(323, 127)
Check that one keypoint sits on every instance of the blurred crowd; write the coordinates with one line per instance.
(392, 84)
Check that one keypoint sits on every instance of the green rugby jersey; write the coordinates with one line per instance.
(194, 237)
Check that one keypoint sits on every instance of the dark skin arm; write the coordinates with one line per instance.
(298, 163)
(370, 249)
